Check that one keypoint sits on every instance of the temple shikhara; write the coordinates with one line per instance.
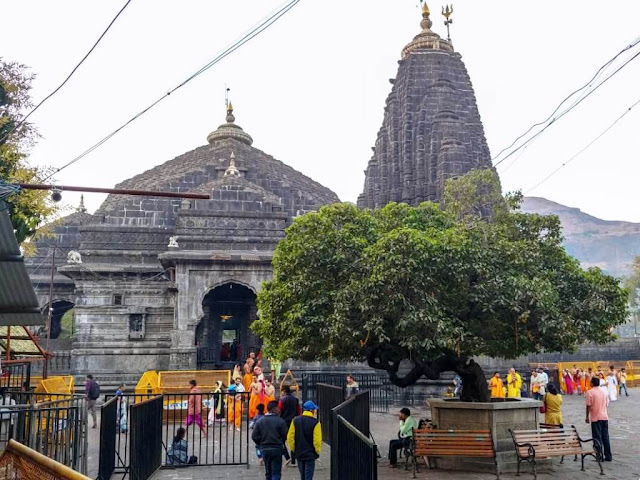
(431, 130)
(169, 284)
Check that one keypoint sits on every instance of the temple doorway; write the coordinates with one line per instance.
(223, 337)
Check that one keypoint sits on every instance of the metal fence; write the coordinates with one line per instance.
(328, 397)
(108, 434)
(56, 429)
(371, 382)
(146, 438)
(16, 375)
(353, 453)
(222, 440)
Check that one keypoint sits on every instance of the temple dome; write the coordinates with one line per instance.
(228, 159)
(229, 130)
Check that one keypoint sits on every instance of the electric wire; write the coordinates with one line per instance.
(582, 150)
(24, 119)
(254, 32)
(555, 119)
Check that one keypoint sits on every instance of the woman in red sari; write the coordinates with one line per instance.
(568, 382)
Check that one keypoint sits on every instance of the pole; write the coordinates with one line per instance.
(119, 191)
(8, 343)
(53, 271)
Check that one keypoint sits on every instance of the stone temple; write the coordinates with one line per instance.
(168, 283)
(160, 283)
(431, 130)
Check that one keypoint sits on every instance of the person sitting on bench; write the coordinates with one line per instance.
(407, 425)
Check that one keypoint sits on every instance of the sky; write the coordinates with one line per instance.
(311, 89)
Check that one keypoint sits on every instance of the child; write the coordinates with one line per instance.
(259, 415)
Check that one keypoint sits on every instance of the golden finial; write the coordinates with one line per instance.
(230, 117)
(426, 21)
(446, 13)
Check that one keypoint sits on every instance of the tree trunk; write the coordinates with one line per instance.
(474, 384)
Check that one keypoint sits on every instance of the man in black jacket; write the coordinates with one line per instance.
(270, 435)
(289, 407)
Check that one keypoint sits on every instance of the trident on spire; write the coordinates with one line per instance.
(446, 13)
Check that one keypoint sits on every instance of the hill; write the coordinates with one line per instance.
(610, 245)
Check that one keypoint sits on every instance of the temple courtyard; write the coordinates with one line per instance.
(623, 429)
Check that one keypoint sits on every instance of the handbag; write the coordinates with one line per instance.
(543, 409)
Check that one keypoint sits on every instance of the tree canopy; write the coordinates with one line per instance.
(28, 209)
(431, 281)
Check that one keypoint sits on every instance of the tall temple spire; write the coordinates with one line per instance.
(431, 129)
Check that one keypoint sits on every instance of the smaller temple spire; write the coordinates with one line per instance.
(81, 208)
(232, 171)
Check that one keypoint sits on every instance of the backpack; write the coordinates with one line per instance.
(94, 391)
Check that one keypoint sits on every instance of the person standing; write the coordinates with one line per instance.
(289, 407)
(496, 386)
(352, 386)
(270, 435)
(305, 440)
(122, 409)
(514, 383)
(596, 400)
(622, 381)
(407, 425)
(194, 412)
(568, 381)
(612, 386)
(92, 392)
(553, 405)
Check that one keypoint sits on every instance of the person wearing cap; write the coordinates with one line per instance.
(407, 425)
(305, 440)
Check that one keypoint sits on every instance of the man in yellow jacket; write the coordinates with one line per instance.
(305, 440)
(514, 384)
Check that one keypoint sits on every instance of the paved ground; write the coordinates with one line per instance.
(624, 431)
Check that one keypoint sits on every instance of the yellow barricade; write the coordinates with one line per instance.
(148, 385)
(632, 368)
(178, 381)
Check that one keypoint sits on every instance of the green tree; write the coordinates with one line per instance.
(431, 288)
(28, 209)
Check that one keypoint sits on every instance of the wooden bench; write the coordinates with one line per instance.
(532, 445)
(452, 443)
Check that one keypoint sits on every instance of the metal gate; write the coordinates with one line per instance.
(146, 438)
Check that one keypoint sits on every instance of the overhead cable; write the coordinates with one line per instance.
(24, 119)
(582, 150)
(255, 31)
(552, 119)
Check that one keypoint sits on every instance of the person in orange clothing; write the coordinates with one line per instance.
(269, 392)
(496, 386)
(257, 396)
(248, 375)
(234, 410)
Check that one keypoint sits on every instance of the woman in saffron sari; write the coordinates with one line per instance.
(234, 410)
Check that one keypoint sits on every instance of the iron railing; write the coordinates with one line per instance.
(56, 429)
(353, 455)
(16, 376)
(146, 438)
(371, 382)
(327, 397)
(219, 442)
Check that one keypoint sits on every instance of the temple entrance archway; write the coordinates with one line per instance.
(223, 337)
